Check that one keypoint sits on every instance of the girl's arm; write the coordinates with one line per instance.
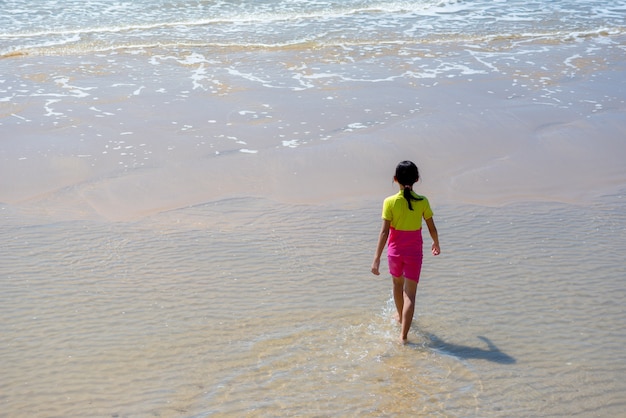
(430, 222)
(382, 240)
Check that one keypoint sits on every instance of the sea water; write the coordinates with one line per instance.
(93, 92)
(270, 311)
(190, 199)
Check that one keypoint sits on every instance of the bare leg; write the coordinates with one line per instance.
(410, 289)
(398, 296)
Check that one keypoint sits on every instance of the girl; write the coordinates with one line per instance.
(402, 225)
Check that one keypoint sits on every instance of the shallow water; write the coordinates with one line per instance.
(246, 307)
(190, 197)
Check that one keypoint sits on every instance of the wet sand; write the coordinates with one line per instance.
(191, 254)
(121, 152)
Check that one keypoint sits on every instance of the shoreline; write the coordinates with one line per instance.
(483, 140)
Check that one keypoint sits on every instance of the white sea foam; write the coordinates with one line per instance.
(97, 26)
(49, 110)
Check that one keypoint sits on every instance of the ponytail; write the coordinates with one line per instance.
(409, 196)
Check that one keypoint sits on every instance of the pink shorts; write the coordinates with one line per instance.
(405, 266)
(404, 254)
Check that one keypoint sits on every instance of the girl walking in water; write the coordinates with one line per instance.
(402, 229)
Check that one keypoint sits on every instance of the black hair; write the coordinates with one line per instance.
(407, 174)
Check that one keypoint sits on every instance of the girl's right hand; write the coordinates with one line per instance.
(376, 267)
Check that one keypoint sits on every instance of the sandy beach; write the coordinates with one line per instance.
(479, 140)
(187, 229)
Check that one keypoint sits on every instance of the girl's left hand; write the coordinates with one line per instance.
(436, 250)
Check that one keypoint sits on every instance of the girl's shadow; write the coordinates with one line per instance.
(492, 353)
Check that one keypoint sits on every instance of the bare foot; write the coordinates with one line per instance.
(404, 341)
(397, 317)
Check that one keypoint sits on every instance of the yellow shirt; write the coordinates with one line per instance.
(396, 210)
